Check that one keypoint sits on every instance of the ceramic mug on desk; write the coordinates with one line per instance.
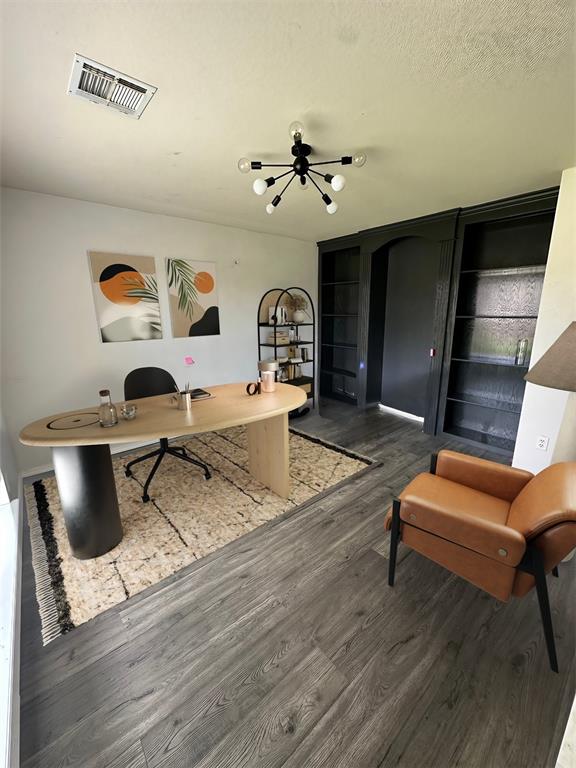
(268, 381)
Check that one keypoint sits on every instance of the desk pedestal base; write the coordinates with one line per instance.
(85, 478)
(268, 453)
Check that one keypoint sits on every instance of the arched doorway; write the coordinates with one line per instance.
(413, 265)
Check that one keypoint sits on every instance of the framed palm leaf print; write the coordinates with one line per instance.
(126, 296)
(193, 297)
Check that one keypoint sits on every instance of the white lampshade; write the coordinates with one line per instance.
(260, 186)
(338, 182)
(557, 366)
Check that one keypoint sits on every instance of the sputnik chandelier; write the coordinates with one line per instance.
(300, 168)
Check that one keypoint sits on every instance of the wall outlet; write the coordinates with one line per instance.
(542, 443)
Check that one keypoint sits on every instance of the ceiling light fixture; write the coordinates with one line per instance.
(300, 168)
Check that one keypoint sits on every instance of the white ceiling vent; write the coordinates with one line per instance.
(106, 86)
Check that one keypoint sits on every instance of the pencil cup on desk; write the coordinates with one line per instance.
(183, 400)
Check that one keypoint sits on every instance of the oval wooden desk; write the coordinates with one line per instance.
(83, 463)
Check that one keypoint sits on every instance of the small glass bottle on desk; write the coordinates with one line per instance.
(107, 412)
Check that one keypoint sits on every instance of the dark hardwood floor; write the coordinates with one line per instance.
(287, 648)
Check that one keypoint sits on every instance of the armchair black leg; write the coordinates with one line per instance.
(542, 590)
(555, 571)
(394, 536)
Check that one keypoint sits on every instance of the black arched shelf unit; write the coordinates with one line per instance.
(288, 342)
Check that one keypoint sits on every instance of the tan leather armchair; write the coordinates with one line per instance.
(500, 528)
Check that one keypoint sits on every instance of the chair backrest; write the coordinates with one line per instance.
(546, 500)
(147, 382)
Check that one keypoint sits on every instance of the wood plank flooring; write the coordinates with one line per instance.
(287, 648)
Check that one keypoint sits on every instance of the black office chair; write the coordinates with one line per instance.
(147, 382)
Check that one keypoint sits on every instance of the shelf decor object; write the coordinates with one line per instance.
(300, 168)
(288, 344)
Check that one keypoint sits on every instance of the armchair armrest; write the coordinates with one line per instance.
(492, 478)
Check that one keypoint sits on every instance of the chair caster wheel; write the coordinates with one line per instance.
(207, 475)
(128, 472)
(145, 498)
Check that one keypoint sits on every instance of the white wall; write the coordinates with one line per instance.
(10, 580)
(53, 357)
(7, 463)
(545, 411)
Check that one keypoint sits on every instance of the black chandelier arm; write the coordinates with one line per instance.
(311, 170)
(341, 161)
(313, 182)
(284, 174)
(287, 183)
(256, 165)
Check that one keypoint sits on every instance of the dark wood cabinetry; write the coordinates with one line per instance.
(356, 296)
(339, 291)
(489, 263)
(499, 266)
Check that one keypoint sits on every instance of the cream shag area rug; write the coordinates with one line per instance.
(187, 518)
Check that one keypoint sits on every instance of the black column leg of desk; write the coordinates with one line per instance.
(87, 491)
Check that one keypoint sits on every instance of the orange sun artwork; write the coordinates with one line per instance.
(204, 282)
(117, 280)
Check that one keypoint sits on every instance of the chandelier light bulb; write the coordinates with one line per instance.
(244, 165)
(359, 159)
(303, 183)
(270, 208)
(296, 130)
(332, 207)
(338, 182)
(260, 186)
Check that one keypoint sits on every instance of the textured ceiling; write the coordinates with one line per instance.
(454, 101)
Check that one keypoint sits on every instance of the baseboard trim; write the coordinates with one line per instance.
(404, 414)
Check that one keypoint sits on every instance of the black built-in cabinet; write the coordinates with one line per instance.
(490, 261)
(339, 292)
(499, 265)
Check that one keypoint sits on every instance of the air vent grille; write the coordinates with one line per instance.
(105, 86)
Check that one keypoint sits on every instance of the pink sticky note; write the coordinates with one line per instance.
(188, 360)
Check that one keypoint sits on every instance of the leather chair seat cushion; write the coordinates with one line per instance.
(462, 515)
